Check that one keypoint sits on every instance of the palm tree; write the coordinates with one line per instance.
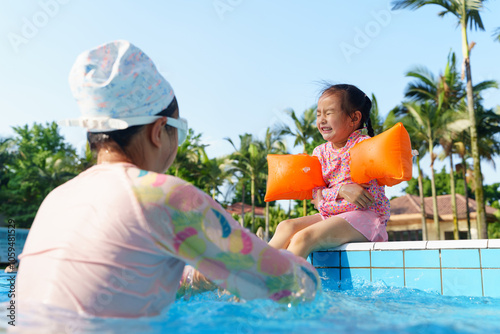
(6, 145)
(377, 122)
(422, 151)
(431, 125)
(214, 173)
(418, 143)
(187, 163)
(273, 144)
(457, 128)
(445, 92)
(238, 167)
(489, 147)
(6, 157)
(448, 142)
(461, 150)
(88, 160)
(466, 12)
(250, 160)
(305, 129)
(57, 169)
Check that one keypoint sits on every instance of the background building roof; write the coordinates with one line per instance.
(236, 209)
(410, 204)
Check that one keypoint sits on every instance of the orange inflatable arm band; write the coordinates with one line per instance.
(292, 176)
(386, 157)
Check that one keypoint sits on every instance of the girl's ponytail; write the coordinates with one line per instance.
(369, 127)
(367, 107)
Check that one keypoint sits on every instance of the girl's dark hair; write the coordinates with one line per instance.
(353, 99)
(123, 137)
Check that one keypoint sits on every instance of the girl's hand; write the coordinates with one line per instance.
(193, 282)
(319, 197)
(357, 194)
(201, 283)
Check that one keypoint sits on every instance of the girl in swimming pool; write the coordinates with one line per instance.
(348, 212)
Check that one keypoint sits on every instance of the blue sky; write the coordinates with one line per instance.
(235, 65)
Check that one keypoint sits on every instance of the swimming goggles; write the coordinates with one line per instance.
(106, 124)
(182, 127)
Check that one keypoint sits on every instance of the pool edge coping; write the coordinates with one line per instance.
(418, 245)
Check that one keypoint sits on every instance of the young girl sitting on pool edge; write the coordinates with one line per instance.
(348, 212)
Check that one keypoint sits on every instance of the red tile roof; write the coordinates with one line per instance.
(410, 204)
(236, 208)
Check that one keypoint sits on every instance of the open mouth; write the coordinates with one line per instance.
(326, 129)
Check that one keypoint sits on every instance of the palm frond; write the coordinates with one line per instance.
(496, 35)
(485, 85)
(414, 110)
(423, 74)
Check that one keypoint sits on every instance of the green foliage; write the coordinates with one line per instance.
(492, 198)
(244, 183)
(375, 118)
(187, 164)
(317, 139)
(305, 128)
(492, 195)
(276, 216)
(442, 184)
(298, 210)
(6, 158)
(494, 230)
(36, 161)
(247, 221)
(249, 164)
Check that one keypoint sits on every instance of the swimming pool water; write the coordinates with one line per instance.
(367, 308)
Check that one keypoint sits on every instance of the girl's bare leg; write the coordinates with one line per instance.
(332, 232)
(287, 228)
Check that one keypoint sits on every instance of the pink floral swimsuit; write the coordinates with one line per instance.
(335, 163)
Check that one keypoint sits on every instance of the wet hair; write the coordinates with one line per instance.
(353, 99)
(123, 137)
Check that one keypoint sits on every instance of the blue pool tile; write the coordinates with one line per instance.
(460, 258)
(351, 278)
(490, 258)
(491, 279)
(423, 279)
(386, 259)
(356, 274)
(326, 259)
(462, 282)
(330, 278)
(355, 259)
(391, 277)
(422, 258)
